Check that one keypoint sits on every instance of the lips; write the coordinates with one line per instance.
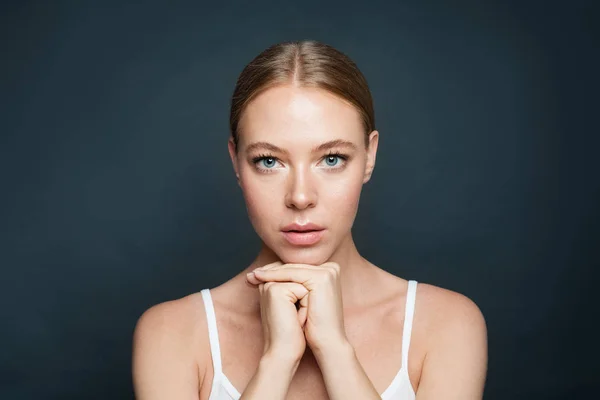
(302, 228)
(303, 235)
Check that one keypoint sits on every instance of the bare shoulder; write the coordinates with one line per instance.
(454, 332)
(444, 308)
(168, 341)
(174, 320)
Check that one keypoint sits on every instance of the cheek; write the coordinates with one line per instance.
(261, 200)
(341, 200)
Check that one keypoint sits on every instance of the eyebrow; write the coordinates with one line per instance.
(322, 147)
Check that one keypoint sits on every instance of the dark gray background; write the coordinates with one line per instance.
(117, 191)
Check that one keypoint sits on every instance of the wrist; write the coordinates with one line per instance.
(333, 350)
(279, 362)
(272, 378)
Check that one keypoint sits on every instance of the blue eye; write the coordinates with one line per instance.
(332, 160)
(268, 162)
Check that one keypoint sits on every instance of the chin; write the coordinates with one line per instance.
(304, 255)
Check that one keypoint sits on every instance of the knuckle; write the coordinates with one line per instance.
(333, 267)
(325, 276)
(273, 289)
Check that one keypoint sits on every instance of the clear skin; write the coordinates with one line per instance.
(309, 152)
(341, 295)
(303, 185)
(304, 161)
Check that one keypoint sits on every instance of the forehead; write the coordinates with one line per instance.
(294, 116)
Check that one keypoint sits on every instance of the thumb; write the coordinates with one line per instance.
(299, 296)
(303, 308)
(302, 313)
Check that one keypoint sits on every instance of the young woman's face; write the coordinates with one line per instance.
(302, 160)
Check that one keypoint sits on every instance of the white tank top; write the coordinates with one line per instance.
(399, 389)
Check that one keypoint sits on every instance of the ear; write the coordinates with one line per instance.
(371, 155)
(233, 155)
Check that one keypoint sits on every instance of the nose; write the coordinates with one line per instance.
(301, 192)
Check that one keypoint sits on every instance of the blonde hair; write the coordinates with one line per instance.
(305, 64)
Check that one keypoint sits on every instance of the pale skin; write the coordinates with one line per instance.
(343, 341)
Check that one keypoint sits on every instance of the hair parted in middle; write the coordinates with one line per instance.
(305, 63)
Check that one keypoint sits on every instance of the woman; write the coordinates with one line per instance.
(310, 318)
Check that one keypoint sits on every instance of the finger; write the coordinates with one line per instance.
(271, 265)
(251, 278)
(330, 266)
(293, 291)
(289, 274)
(304, 266)
(302, 314)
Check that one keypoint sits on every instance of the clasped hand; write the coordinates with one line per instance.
(300, 305)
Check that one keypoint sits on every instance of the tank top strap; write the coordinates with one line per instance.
(409, 311)
(213, 334)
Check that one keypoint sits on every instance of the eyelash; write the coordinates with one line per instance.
(255, 160)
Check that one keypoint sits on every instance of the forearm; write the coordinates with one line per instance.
(344, 377)
(271, 380)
